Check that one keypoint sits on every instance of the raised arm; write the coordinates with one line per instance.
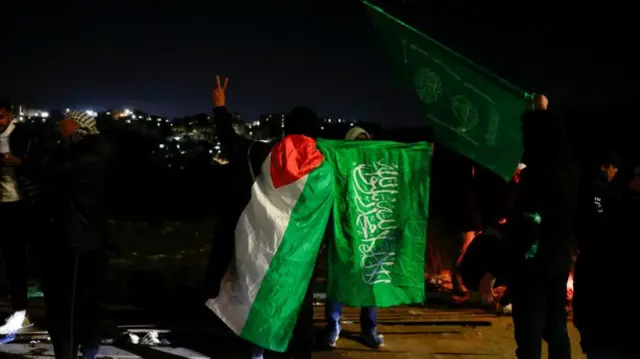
(227, 136)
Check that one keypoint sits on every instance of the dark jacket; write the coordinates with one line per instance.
(245, 160)
(606, 228)
(597, 210)
(74, 193)
(548, 188)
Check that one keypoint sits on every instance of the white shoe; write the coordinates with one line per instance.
(15, 322)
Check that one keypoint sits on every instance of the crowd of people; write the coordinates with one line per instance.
(51, 199)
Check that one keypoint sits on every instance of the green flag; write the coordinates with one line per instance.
(472, 111)
(381, 191)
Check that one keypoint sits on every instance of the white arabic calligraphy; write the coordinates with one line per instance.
(375, 193)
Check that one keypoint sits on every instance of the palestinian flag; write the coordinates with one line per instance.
(277, 240)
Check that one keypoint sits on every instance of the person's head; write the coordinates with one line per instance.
(302, 120)
(357, 133)
(5, 113)
(540, 102)
(76, 125)
(609, 164)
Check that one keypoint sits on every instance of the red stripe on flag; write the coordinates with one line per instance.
(293, 158)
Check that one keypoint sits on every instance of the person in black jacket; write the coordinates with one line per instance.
(74, 252)
(541, 233)
(245, 160)
(17, 191)
(607, 222)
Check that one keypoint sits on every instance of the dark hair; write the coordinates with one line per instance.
(608, 158)
(6, 104)
(302, 120)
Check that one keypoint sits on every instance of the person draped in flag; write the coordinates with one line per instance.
(333, 309)
(74, 252)
(245, 160)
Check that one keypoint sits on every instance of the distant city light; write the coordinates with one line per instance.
(127, 112)
(161, 145)
(91, 113)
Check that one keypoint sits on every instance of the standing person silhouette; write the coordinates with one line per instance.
(541, 232)
(333, 309)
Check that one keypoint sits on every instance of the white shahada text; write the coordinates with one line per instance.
(376, 191)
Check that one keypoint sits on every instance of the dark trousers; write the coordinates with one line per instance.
(333, 311)
(72, 283)
(539, 313)
(15, 234)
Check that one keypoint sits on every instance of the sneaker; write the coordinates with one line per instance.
(331, 337)
(258, 353)
(90, 353)
(507, 309)
(372, 339)
(15, 322)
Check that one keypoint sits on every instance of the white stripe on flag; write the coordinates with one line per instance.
(258, 235)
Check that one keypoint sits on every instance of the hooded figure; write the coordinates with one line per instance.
(357, 133)
(74, 251)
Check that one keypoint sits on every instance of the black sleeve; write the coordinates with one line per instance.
(85, 165)
(227, 136)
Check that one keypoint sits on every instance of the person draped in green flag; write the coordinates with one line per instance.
(333, 309)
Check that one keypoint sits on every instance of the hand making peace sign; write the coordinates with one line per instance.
(219, 98)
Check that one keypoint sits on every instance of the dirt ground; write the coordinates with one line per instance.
(409, 332)
(412, 333)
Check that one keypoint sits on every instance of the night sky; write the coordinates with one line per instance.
(326, 54)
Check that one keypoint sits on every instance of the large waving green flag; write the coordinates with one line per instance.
(473, 112)
(381, 201)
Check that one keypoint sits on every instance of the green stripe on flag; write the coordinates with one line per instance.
(275, 310)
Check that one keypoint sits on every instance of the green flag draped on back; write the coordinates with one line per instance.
(473, 112)
(381, 191)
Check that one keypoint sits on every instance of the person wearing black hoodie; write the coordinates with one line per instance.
(541, 233)
(245, 160)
